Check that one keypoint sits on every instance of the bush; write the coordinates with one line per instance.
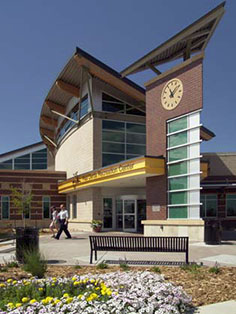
(34, 263)
(215, 269)
(192, 268)
(102, 266)
(156, 269)
(124, 266)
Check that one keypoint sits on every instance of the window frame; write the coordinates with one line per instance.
(49, 205)
(226, 205)
(8, 202)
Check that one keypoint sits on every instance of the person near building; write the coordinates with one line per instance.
(54, 222)
(63, 217)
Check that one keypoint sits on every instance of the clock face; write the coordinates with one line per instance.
(172, 94)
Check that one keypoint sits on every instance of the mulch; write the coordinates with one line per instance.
(204, 287)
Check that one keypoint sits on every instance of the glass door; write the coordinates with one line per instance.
(126, 215)
(129, 215)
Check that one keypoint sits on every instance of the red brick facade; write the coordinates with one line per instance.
(190, 73)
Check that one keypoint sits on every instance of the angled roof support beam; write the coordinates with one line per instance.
(47, 132)
(50, 141)
(80, 94)
(187, 52)
(53, 106)
(154, 69)
(68, 88)
(88, 77)
(64, 116)
(49, 120)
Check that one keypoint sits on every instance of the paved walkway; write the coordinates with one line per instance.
(77, 251)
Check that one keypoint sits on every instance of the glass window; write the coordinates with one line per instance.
(178, 153)
(136, 128)
(231, 204)
(177, 139)
(6, 164)
(177, 125)
(107, 212)
(46, 206)
(178, 198)
(39, 159)
(178, 183)
(136, 149)
(209, 205)
(136, 138)
(113, 148)
(113, 125)
(178, 212)
(178, 168)
(113, 136)
(108, 159)
(85, 108)
(22, 162)
(113, 107)
(74, 206)
(5, 207)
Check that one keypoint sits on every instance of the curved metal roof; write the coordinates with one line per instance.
(191, 40)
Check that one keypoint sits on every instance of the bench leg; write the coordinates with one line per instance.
(96, 257)
(91, 256)
(186, 258)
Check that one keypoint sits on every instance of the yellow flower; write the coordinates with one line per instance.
(76, 283)
(53, 284)
(18, 304)
(9, 280)
(27, 283)
(97, 288)
(14, 282)
(49, 299)
(74, 278)
(56, 301)
(2, 285)
(65, 295)
(54, 279)
(69, 300)
(24, 300)
(40, 289)
(45, 302)
(32, 301)
(92, 280)
(80, 296)
(11, 305)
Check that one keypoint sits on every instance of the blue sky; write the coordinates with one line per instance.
(38, 37)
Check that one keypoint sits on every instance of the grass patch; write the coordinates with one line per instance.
(35, 263)
(156, 269)
(102, 266)
(191, 268)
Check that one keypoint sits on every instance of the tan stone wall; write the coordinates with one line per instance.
(194, 229)
(76, 153)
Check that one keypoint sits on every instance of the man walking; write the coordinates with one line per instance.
(63, 222)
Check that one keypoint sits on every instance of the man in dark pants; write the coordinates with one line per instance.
(63, 222)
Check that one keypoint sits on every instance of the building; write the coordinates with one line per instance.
(131, 156)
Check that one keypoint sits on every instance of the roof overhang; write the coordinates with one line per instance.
(67, 85)
(191, 40)
(131, 173)
(206, 134)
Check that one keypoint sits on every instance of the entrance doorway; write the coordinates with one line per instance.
(129, 212)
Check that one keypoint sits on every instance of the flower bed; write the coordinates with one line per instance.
(117, 292)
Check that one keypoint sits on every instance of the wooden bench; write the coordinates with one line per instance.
(139, 244)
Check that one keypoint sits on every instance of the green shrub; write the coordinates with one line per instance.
(124, 266)
(215, 269)
(156, 269)
(77, 266)
(102, 266)
(3, 269)
(192, 268)
(12, 264)
(35, 263)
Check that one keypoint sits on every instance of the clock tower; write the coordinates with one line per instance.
(174, 101)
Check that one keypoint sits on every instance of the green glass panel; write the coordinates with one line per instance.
(177, 139)
(178, 212)
(231, 207)
(113, 125)
(136, 149)
(136, 138)
(178, 154)
(113, 136)
(177, 125)
(109, 159)
(211, 208)
(178, 198)
(136, 128)
(5, 207)
(231, 197)
(46, 206)
(179, 168)
(6, 164)
(113, 148)
(178, 183)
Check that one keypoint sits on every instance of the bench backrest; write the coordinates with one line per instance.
(142, 244)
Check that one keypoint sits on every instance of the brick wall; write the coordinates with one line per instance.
(190, 73)
(41, 183)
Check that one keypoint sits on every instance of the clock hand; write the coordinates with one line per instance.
(175, 90)
(171, 93)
